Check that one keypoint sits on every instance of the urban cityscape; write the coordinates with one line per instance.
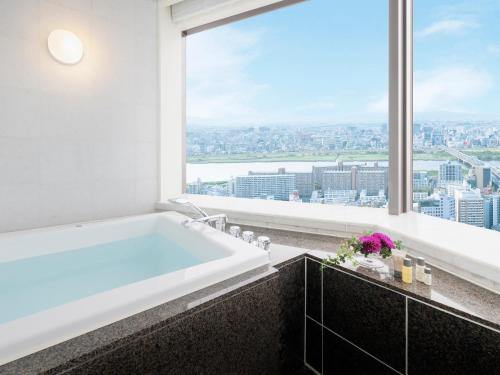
(456, 166)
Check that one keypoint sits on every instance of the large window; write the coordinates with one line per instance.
(291, 105)
(456, 128)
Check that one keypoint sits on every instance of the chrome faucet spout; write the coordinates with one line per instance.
(216, 221)
(185, 202)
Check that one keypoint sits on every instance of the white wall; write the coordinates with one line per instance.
(77, 142)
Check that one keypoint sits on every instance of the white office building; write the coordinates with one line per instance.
(438, 205)
(469, 207)
(279, 186)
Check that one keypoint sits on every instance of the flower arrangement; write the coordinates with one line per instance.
(367, 244)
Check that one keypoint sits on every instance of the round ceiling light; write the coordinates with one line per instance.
(65, 47)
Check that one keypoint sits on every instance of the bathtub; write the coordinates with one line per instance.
(58, 283)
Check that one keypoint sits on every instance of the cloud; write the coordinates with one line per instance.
(448, 89)
(218, 87)
(447, 27)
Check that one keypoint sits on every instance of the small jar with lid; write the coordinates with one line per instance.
(407, 271)
(419, 270)
(428, 276)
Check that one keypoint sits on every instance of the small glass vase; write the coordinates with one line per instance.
(371, 262)
(376, 263)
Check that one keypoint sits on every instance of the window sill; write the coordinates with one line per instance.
(468, 252)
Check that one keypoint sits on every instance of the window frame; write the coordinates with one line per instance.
(399, 103)
(448, 248)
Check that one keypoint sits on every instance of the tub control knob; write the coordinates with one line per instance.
(264, 242)
(235, 231)
(247, 236)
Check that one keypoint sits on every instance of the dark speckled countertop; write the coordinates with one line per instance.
(448, 291)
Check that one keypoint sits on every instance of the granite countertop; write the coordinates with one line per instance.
(448, 291)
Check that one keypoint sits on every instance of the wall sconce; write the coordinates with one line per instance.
(65, 47)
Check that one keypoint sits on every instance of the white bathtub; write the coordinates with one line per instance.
(223, 257)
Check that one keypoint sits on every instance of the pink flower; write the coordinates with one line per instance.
(385, 241)
(371, 244)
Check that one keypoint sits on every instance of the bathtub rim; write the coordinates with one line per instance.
(27, 335)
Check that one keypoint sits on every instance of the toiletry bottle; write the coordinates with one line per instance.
(419, 270)
(407, 271)
(428, 276)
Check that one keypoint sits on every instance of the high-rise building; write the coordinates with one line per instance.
(438, 205)
(469, 207)
(371, 180)
(337, 180)
(450, 172)
(420, 180)
(195, 187)
(495, 210)
(317, 174)
(303, 181)
(280, 186)
(488, 212)
(483, 176)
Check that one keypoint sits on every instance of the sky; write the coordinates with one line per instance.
(325, 61)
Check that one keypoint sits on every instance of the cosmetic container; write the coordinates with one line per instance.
(428, 276)
(419, 270)
(407, 271)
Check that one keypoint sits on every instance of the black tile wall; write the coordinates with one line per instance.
(292, 285)
(366, 329)
(367, 315)
(342, 358)
(441, 343)
(313, 295)
(314, 345)
(239, 335)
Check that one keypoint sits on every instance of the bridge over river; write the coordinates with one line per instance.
(473, 161)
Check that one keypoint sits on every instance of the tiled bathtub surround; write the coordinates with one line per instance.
(292, 286)
(371, 327)
(225, 326)
(251, 324)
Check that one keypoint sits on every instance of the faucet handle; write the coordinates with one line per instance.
(247, 236)
(264, 242)
(235, 231)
